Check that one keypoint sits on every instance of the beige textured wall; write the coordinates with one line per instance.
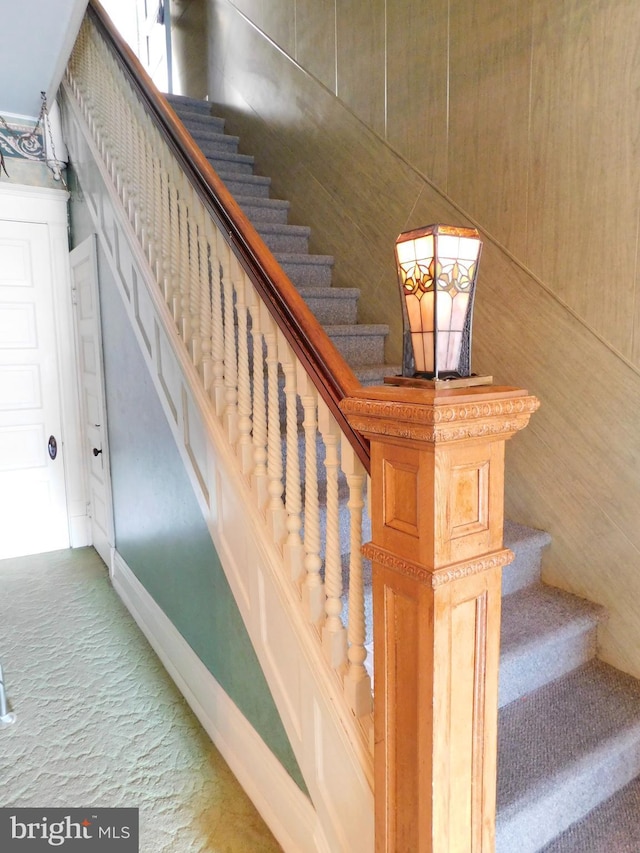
(526, 115)
(189, 24)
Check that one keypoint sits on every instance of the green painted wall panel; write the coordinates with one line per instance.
(160, 531)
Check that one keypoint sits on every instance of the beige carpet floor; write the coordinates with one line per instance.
(99, 721)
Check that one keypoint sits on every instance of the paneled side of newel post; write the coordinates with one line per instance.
(437, 483)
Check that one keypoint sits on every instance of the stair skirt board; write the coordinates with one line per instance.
(328, 747)
(283, 806)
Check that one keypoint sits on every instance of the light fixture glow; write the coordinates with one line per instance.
(437, 270)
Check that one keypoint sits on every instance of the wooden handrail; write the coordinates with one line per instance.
(327, 369)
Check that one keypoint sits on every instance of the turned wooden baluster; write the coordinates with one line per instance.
(313, 588)
(245, 443)
(293, 548)
(193, 271)
(276, 512)
(174, 253)
(334, 634)
(216, 243)
(230, 414)
(165, 239)
(260, 478)
(357, 683)
(437, 474)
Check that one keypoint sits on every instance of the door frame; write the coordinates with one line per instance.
(21, 203)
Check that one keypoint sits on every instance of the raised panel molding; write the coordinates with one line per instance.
(17, 325)
(401, 505)
(14, 263)
(20, 387)
(469, 499)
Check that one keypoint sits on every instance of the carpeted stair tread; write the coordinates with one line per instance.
(562, 750)
(613, 827)
(545, 633)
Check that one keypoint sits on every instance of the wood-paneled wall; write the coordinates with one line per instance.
(524, 119)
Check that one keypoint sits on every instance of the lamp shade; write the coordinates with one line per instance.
(437, 269)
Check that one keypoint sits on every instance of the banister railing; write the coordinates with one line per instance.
(331, 375)
(259, 353)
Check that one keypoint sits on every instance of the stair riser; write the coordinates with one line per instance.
(524, 672)
(374, 375)
(528, 547)
(196, 124)
(290, 243)
(277, 215)
(308, 274)
(360, 349)
(333, 311)
(213, 145)
(246, 185)
(238, 163)
(182, 104)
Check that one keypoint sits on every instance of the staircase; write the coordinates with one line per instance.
(361, 345)
(569, 725)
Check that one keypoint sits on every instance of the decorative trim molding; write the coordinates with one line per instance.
(33, 204)
(440, 422)
(19, 140)
(286, 810)
(436, 577)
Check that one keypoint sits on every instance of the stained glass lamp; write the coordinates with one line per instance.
(437, 270)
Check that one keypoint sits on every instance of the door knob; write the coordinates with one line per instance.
(97, 452)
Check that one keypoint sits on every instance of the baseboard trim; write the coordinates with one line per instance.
(284, 808)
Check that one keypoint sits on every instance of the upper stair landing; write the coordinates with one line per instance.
(361, 345)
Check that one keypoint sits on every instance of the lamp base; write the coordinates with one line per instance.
(438, 384)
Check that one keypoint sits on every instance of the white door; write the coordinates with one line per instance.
(84, 282)
(33, 507)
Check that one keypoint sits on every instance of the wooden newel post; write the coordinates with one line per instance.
(437, 483)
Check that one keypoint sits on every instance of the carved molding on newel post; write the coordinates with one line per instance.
(437, 496)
